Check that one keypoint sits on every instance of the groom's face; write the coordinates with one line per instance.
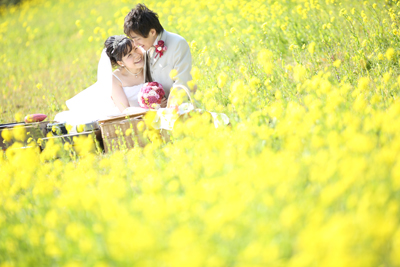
(147, 42)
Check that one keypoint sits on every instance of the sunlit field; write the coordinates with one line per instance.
(307, 174)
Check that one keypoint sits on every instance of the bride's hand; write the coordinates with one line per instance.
(164, 102)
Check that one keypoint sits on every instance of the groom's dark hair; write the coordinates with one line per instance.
(141, 20)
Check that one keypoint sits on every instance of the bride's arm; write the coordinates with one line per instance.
(118, 95)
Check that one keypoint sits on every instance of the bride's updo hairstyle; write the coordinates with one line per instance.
(117, 46)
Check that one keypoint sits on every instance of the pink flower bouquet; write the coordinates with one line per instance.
(151, 95)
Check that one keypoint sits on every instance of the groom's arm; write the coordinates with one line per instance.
(182, 63)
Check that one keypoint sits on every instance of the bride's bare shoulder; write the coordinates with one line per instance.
(116, 77)
(117, 71)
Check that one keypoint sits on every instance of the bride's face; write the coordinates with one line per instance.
(135, 59)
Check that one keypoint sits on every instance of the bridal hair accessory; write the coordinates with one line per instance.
(117, 40)
(151, 95)
(160, 48)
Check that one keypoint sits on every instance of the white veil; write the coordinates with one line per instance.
(96, 98)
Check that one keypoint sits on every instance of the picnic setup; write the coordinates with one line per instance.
(107, 134)
(101, 133)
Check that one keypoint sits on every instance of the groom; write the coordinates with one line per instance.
(172, 53)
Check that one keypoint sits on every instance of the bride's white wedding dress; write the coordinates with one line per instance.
(95, 102)
(132, 93)
(79, 116)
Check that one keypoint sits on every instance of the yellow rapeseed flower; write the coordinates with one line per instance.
(141, 126)
(80, 128)
(364, 43)
(67, 146)
(337, 63)
(311, 47)
(386, 77)
(265, 58)
(7, 135)
(173, 74)
(299, 73)
(222, 79)
(278, 94)
(196, 74)
(18, 117)
(389, 53)
(363, 83)
(254, 82)
(193, 45)
(128, 132)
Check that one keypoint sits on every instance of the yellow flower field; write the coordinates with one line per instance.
(308, 173)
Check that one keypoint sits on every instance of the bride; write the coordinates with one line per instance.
(128, 77)
(115, 90)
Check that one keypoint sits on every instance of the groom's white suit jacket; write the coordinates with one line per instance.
(176, 57)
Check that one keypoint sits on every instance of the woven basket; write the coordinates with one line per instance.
(117, 136)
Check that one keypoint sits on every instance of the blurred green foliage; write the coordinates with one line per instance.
(9, 2)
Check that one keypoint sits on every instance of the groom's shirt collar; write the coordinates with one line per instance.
(158, 38)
